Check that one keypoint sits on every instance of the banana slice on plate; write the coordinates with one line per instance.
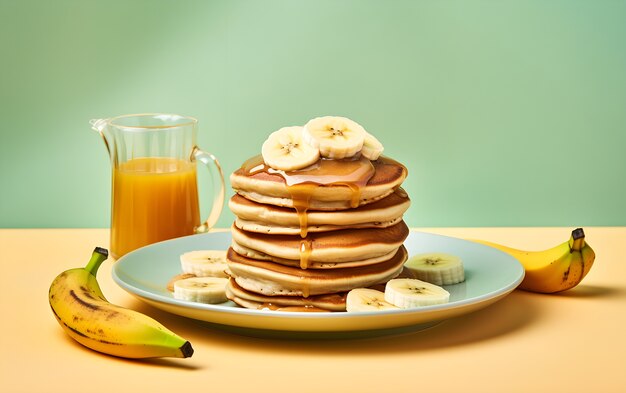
(409, 293)
(437, 268)
(178, 277)
(286, 150)
(210, 290)
(372, 148)
(335, 137)
(205, 263)
(365, 299)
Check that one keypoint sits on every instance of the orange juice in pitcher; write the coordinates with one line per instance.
(154, 188)
(154, 198)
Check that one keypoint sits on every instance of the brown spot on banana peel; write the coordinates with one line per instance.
(566, 274)
(112, 314)
(78, 332)
(62, 322)
(588, 256)
(108, 342)
(82, 302)
(75, 330)
(582, 269)
(89, 294)
(81, 334)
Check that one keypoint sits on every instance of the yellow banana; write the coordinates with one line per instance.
(554, 270)
(82, 310)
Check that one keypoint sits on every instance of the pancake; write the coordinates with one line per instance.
(263, 218)
(328, 302)
(254, 254)
(247, 303)
(261, 184)
(259, 227)
(247, 299)
(272, 279)
(338, 246)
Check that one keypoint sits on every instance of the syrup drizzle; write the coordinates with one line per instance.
(306, 247)
(276, 307)
(353, 173)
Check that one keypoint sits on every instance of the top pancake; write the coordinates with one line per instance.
(270, 187)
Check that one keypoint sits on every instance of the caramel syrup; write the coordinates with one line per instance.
(275, 307)
(306, 247)
(353, 173)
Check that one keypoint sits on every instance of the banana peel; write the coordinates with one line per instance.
(84, 313)
(556, 269)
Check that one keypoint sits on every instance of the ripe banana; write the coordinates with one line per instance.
(286, 150)
(554, 270)
(84, 313)
(335, 137)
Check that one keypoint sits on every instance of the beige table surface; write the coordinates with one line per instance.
(572, 342)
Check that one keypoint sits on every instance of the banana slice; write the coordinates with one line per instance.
(335, 137)
(178, 277)
(372, 148)
(201, 289)
(205, 263)
(286, 150)
(437, 268)
(408, 293)
(365, 299)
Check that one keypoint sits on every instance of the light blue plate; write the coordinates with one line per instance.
(490, 275)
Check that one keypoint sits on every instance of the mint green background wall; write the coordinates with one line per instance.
(507, 113)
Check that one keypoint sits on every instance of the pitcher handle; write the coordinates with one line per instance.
(215, 169)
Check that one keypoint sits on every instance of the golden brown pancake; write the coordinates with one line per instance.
(346, 245)
(263, 218)
(270, 187)
(245, 298)
(272, 279)
(328, 302)
(259, 227)
(254, 254)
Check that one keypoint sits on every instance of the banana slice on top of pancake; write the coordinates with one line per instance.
(334, 136)
(372, 148)
(286, 150)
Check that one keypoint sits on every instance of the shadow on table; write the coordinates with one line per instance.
(592, 291)
(507, 316)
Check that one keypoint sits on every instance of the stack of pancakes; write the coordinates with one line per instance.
(303, 239)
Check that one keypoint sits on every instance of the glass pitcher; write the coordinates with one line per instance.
(154, 193)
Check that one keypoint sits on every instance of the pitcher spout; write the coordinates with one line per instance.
(100, 125)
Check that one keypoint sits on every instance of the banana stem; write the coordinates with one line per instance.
(577, 241)
(98, 256)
